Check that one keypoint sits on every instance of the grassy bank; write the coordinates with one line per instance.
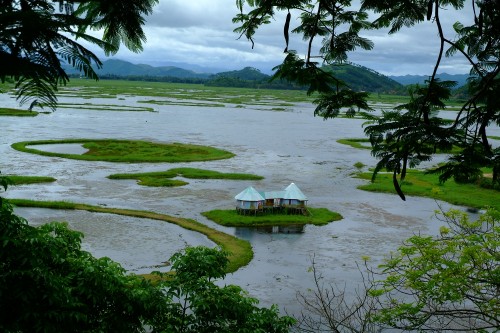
(17, 113)
(364, 143)
(230, 218)
(25, 180)
(164, 178)
(240, 250)
(418, 183)
(130, 151)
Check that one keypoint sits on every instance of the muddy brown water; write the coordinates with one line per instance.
(284, 147)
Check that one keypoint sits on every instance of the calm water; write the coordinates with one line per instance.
(284, 147)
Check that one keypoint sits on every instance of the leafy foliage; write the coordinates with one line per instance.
(438, 284)
(448, 282)
(48, 284)
(202, 306)
(413, 132)
(36, 38)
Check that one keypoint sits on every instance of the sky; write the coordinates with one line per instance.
(200, 33)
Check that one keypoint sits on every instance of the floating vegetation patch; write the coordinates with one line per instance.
(240, 250)
(360, 143)
(230, 218)
(182, 103)
(364, 143)
(423, 184)
(104, 107)
(113, 88)
(25, 180)
(164, 178)
(17, 113)
(130, 151)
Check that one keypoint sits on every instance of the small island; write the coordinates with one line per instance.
(272, 208)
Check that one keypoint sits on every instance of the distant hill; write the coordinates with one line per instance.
(247, 73)
(361, 78)
(124, 68)
(461, 79)
(357, 77)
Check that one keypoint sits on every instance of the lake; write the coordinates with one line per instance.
(284, 147)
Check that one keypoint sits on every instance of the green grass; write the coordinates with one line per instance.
(104, 107)
(361, 143)
(25, 180)
(163, 178)
(419, 183)
(17, 113)
(130, 151)
(181, 93)
(230, 218)
(240, 250)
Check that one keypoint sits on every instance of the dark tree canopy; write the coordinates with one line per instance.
(38, 36)
(413, 132)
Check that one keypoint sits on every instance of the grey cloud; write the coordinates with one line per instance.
(201, 32)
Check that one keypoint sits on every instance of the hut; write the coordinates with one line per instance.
(291, 199)
(294, 199)
(249, 201)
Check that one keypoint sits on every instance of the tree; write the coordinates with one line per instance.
(449, 282)
(202, 306)
(413, 132)
(36, 39)
(48, 284)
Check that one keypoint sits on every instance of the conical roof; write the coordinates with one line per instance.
(249, 194)
(293, 192)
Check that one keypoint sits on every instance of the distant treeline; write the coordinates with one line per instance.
(149, 78)
(214, 81)
(358, 78)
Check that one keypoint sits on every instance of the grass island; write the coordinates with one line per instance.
(420, 183)
(25, 180)
(231, 218)
(164, 178)
(10, 112)
(129, 151)
(240, 250)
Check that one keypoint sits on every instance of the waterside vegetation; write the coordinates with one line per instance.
(230, 218)
(10, 112)
(129, 151)
(420, 183)
(26, 180)
(164, 178)
(240, 251)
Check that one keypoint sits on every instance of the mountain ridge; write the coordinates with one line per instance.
(358, 77)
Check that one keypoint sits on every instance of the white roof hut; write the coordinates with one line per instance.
(249, 194)
(293, 192)
(249, 200)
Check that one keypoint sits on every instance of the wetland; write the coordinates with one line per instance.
(272, 134)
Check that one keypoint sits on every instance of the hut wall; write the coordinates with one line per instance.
(249, 204)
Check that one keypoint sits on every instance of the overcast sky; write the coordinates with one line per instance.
(201, 33)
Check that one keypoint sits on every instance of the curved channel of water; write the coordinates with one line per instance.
(284, 147)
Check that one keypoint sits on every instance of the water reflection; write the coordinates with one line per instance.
(281, 229)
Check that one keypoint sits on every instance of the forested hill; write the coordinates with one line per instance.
(124, 68)
(361, 78)
(357, 77)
